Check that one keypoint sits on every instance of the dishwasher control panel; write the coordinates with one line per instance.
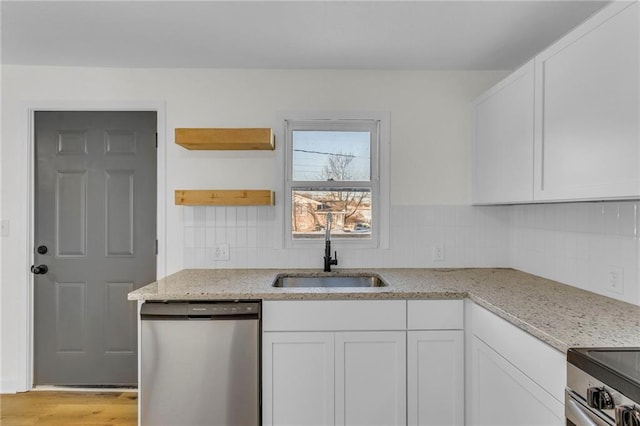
(200, 310)
(207, 309)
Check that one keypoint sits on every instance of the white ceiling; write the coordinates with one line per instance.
(392, 34)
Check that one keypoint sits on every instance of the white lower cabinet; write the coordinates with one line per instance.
(370, 378)
(334, 362)
(435, 380)
(503, 395)
(435, 362)
(512, 377)
(396, 362)
(298, 378)
(301, 380)
(368, 363)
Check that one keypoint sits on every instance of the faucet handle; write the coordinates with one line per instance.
(334, 261)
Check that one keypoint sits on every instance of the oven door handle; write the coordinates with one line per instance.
(581, 415)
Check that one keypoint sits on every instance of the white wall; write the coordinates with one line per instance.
(2, 376)
(431, 133)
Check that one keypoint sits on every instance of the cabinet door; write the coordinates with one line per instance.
(504, 140)
(543, 364)
(298, 379)
(502, 395)
(587, 130)
(371, 378)
(435, 378)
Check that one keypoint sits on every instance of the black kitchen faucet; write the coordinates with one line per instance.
(328, 261)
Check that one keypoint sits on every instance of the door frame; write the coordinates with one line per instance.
(159, 107)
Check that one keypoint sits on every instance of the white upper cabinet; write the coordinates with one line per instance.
(503, 169)
(587, 132)
(567, 127)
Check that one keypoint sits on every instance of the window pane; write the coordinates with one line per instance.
(350, 209)
(331, 155)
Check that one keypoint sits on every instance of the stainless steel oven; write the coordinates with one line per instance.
(603, 387)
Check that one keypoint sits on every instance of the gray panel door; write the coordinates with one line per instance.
(96, 215)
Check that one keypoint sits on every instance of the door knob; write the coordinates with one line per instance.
(40, 269)
(42, 249)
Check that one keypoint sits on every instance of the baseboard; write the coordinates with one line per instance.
(83, 389)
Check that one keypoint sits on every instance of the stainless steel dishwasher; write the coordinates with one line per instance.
(200, 364)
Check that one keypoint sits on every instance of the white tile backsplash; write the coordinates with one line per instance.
(578, 243)
(199, 217)
(574, 243)
(472, 236)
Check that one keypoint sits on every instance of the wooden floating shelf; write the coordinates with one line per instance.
(224, 197)
(225, 139)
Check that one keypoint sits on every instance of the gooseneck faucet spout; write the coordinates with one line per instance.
(328, 261)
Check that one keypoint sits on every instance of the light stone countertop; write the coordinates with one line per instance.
(558, 314)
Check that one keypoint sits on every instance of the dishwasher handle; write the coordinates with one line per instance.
(186, 311)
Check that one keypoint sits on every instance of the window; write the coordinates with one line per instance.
(333, 166)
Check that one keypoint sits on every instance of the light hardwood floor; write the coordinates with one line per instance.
(69, 408)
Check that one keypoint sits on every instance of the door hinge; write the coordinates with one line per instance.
(156, 140)
(156, 247)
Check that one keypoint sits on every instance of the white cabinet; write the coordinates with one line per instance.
(503, 169)
(334, 315)
(370, 378)
(341, 378)
(375, 362)
(503, 395)
(435, 363)
(566, 126)
(512, 377)
(435, 379)
(587, 132)
(309, 362)
(298, 379)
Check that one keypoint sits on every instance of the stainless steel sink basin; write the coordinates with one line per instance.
(329, 281)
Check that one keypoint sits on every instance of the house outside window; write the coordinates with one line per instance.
(333, 165)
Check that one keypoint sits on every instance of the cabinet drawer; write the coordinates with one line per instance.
(435, 314)
(334, 315)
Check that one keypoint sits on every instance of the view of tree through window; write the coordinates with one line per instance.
(331, 157)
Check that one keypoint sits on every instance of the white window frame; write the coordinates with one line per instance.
(379, 183)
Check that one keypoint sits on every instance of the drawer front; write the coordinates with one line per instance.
(334, 315)
(435, 314)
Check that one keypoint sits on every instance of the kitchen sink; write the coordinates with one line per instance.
(328, 281)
